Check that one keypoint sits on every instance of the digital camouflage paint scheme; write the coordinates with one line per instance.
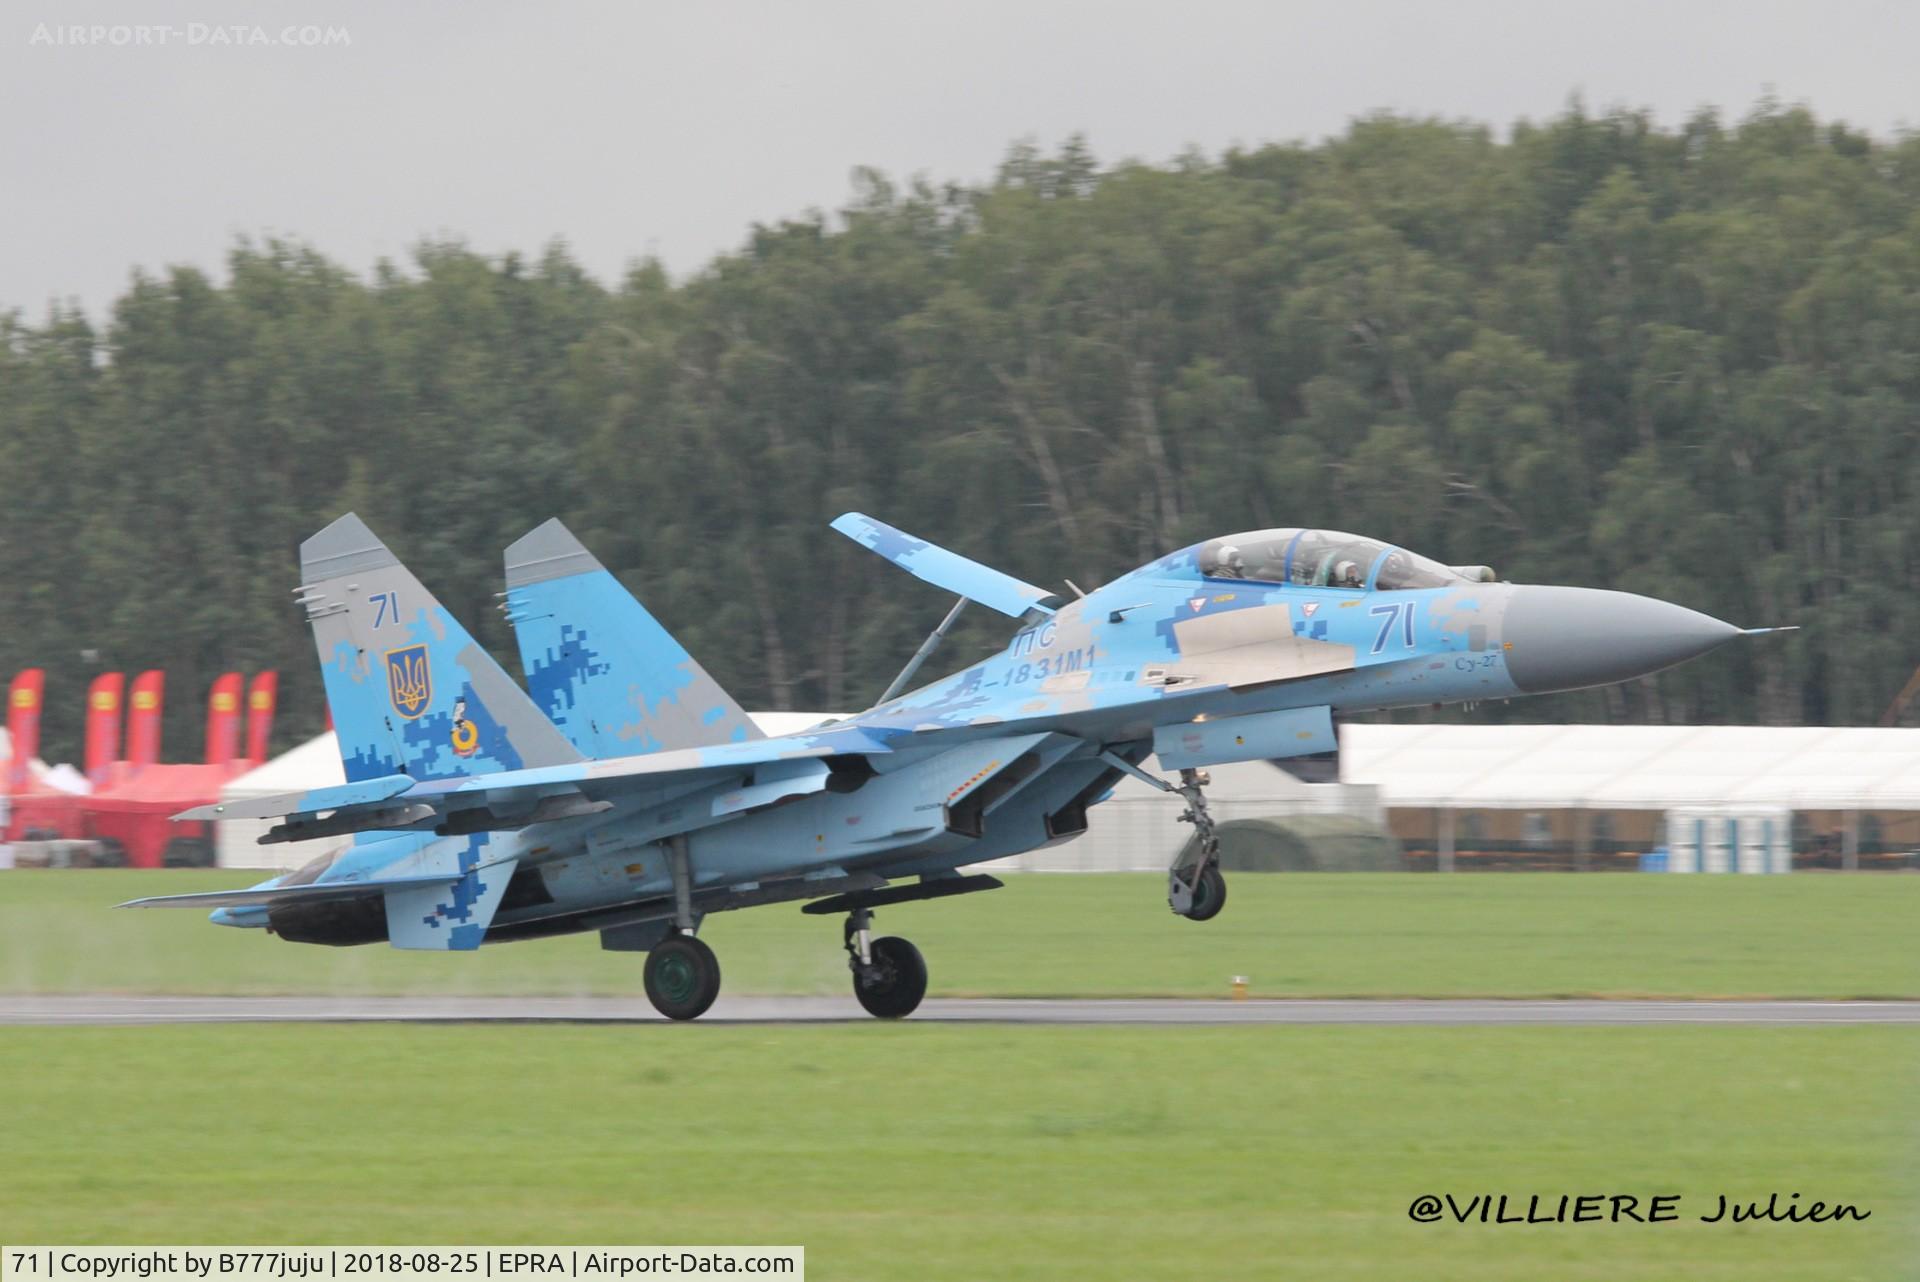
(630, 795)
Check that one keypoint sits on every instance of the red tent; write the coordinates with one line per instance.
(136, 813)
(43, 811)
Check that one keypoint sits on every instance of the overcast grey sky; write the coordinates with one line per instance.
(638, 128)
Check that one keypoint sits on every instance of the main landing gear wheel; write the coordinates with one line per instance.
(683, 977)
(1209, 895)
(892, 984)
(889, 974)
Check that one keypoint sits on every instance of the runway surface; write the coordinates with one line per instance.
(811, 1010)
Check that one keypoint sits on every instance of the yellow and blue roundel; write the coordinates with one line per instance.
(466, 737)
(409, 680)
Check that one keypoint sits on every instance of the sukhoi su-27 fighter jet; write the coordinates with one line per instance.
(623, 791)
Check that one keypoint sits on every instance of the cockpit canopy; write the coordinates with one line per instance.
(1323, 559)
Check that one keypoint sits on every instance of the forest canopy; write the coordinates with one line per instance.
(1683, 361)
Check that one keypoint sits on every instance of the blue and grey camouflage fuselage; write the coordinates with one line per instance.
(629, 794)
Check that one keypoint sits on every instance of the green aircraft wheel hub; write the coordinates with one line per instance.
(677, 979)
(682, 978)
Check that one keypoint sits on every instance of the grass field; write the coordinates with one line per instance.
(930, 1152)
(1109, 935)
(941, 1152)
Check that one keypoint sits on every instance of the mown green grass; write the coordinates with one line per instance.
(944, 1152)
(1512, 935)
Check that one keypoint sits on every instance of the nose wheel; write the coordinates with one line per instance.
(1205, 898)
(889, 974)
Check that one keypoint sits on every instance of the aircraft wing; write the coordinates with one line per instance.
(771, 769)
(949, 570)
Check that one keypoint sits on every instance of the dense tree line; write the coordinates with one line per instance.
(1677, 361)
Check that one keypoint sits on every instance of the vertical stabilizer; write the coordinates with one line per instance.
(410, 691)
(600, 665)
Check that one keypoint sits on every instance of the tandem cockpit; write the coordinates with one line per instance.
(1328, 559)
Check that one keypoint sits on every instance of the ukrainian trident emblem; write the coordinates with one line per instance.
(409, 680)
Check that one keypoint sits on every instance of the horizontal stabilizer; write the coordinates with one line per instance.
(949, 570)
(261, 896)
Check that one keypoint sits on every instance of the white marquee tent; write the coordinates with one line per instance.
(1634, 767)
(314, 764)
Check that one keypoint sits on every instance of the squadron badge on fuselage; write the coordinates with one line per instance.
(466, 735)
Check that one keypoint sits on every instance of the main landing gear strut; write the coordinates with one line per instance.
(889, 974)
(682, 976)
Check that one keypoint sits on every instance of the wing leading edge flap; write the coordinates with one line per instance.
(949, 570)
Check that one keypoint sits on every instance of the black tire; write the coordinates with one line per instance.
(891, 988)
(682, 977)
(1209, 896)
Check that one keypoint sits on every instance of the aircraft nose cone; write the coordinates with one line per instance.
(1571, 638)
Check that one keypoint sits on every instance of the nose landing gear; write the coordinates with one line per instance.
(1196, 888)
